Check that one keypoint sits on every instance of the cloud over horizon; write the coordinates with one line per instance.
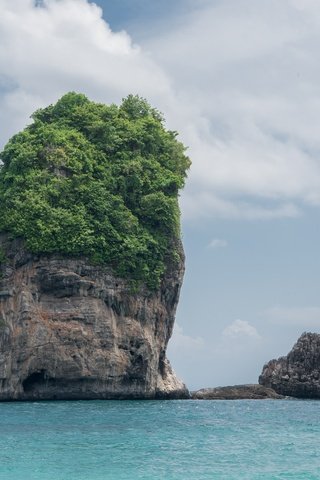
(180, 340)
(240, 328)
(218, 243)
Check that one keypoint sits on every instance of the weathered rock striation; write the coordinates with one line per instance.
(236, 392)
(72, 330)
(297, 374)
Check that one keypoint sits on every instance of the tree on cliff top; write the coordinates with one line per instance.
(96, 180)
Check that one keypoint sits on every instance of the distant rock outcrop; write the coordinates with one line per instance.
(297, 374)
(235, 392)
(72, 330)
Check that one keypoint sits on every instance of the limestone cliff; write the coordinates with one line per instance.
(297, 374)
(72, 330)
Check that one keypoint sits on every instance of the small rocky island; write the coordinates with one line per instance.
(236, 392)
(298, 373)
(91, 261)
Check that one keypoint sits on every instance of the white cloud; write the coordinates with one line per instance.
(218, 243)
(306, 317)
(241, 328)
(199, 204)
(252, 93)
(180, 340)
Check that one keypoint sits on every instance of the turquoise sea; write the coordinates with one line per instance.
(172, 440)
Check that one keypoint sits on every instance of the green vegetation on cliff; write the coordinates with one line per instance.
(96, 180)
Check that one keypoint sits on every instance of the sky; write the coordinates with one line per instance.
(240, 81)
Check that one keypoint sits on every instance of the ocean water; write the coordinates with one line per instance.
(172, 440)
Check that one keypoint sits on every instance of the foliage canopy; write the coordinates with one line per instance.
(96, 180)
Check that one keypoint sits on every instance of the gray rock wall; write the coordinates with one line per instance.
(71, 330)
(297, 374)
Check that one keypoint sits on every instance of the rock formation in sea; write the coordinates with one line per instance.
(298, 373)
(91, 262)
(236, 392)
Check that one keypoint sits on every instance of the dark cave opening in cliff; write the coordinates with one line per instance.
(35, 380)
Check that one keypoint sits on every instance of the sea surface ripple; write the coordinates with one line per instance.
(151, 440)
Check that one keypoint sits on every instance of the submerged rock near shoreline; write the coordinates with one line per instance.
(71, 330)
(298, 373)
(236, 392)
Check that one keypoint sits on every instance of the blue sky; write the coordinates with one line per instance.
(240, 81)
(128, 14)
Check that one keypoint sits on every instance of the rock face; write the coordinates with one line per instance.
(71, 330)
(236, 392)
(297, 374)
